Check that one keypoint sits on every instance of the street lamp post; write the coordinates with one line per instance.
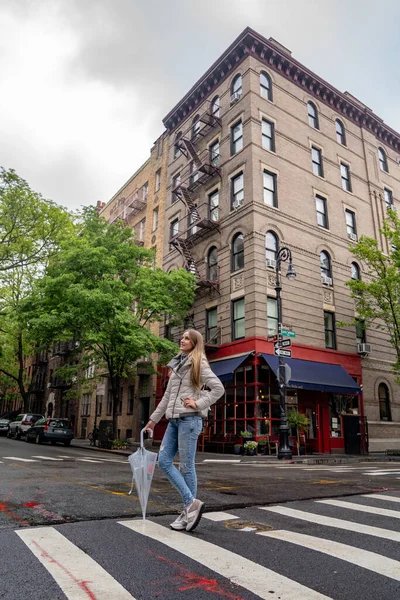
(282, 255)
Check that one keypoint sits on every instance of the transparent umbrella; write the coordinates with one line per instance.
(142, 463)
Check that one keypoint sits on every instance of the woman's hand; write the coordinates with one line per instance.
(189, 403)
(150, 426)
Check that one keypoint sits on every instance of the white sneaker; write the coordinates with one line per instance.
(180, 522)
(193, 514)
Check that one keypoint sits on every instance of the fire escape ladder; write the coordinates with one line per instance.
(184, 248)
(190, 151)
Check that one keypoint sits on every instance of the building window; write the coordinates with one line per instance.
(238, 321)
(312, 115)
(345, 176)
(86, 405)
(237, 253)
(158, 180)
(383, 160)
(176, 182)
(325, 264)
(140, 230)
(236, 138)
(236, 89)
(145, 189)
(360, 332)
(109, 403)
(268, 135)
(173, 229)
(213, 206)
(351, 224)
(211, 325)
(384, 403)
(214, 154)
(215, 106)
(120, 399)
(316, 157)
(272, 315)
(355, 272)
(271, 247)
(195, 127)
(265, 86)
(340, 134)
(194, 174)
(155, 219)
(177, 150)
(131, 399)
(237, 191)
(330, 335)
(388, 195)
(322, 215)
(212, 265)
(99, 405)
(270, 191)
(193, 218)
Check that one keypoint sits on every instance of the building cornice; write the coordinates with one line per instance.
(250, 43)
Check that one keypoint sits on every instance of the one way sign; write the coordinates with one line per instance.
(284, 344)
(281, 352)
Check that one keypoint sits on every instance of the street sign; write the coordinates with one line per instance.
(283, 344)
(284, 372)
(272, 338)
(285, 353)
(288, 333)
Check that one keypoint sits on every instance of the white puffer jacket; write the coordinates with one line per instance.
(180, 387)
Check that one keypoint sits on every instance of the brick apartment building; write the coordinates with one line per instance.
(263, 153)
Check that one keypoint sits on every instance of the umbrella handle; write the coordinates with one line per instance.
(149, 431)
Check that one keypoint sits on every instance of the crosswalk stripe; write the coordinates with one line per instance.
(221, 460)
(47, 458)
(79, 576)
(89, 460)
(356, 556)
(332, 522)
(219, 516)
(362, 508)
(239, 570)
(121, 462)
(17, 458)
(376, 473)
(381, 497)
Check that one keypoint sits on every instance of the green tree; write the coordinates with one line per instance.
(30, 232)
(297, 421)
(377, 295)
(103, 290)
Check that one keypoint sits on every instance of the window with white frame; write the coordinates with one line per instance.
(213, 205)
(350, 223)
(271, 247)
(236, 138)
(322, 214)
(155, 219)
(238, 319)
(383, 160)
(214, 153)
(268, 135)
(272, 316)
(312, 115)
(158, 180)
(237, 191)
(270, 191)
(316, 158)
(388, 195)
(265, 86)
(340, 133)
(345, 177)
(215, 106)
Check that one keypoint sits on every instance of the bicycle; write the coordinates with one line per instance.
(93, 437)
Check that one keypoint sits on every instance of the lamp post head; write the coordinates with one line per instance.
(291, 273)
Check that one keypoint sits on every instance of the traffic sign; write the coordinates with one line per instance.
(288, 333)
(280, 352)
(283, 344)
(272, 338)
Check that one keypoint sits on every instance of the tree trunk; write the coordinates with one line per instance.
(115, 391)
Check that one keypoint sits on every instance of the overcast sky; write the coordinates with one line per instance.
(84, 84)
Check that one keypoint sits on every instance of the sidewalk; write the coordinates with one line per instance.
(315, 459)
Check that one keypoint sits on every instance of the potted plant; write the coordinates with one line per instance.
(250, 448)
(237, 449)
(299, 422)
(246, 434)
(262, 445)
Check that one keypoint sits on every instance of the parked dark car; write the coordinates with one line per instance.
(51, 430)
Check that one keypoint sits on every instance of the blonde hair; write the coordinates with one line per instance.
(196, 355)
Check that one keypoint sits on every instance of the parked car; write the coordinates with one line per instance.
(4, 423)
(21, 424)
(50, 430)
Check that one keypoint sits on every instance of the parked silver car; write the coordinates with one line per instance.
(21, 424)
(4, 425)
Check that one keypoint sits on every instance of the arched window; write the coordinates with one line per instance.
(340, 134)
(265, 86)
(237, 253)
(383, 160)
(355, 271)
(215, 106)
(312, 115)
(325, 264)
(236, 89)
(177, 150)
(212, 264)
(195, 127)
(384, 403)
(271, 248)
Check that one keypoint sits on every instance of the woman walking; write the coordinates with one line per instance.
(184, 404)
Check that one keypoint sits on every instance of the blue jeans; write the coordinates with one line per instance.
(181, 434)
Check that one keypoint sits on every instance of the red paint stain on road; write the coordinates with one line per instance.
(5, 509)
(192, 581)
(82, 584)
(38, 507)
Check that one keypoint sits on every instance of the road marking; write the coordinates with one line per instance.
(356, 556)
(219, 516)
(362, 508)
(331, 522)
(90, 460)
(221, 460)
(239, 570)
(17, 458)
(46, 458)
(78, 575)
(121, 462)
(383, 473)
(65, 455)
(382, 497)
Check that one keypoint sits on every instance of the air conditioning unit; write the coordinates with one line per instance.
(364, 349)
(235, 97)
(237, 203)
(326, 280)
(352, 237)
(270, 262)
